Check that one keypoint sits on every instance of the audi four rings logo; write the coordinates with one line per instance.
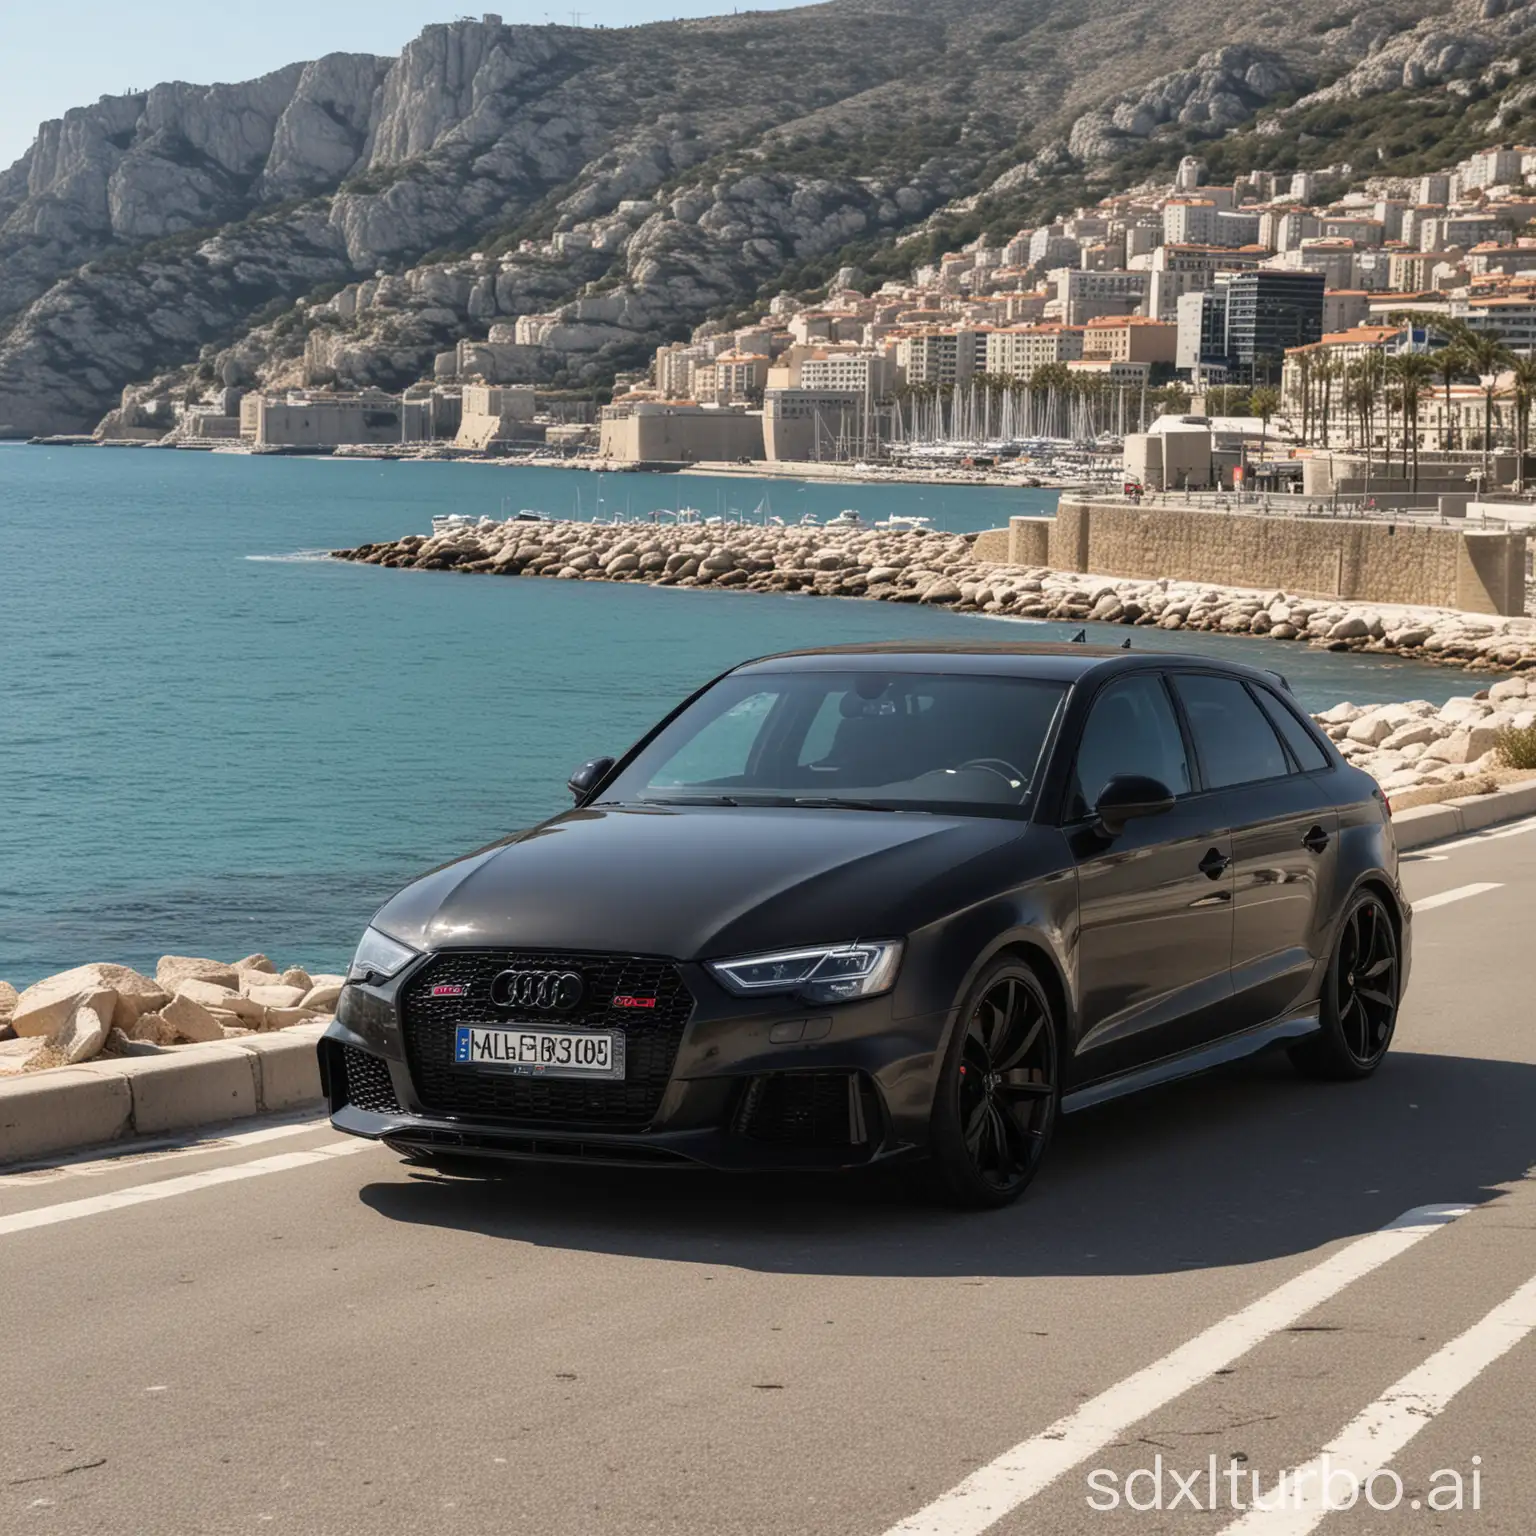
(547, 991)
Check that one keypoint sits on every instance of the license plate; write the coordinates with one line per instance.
(541, 1052)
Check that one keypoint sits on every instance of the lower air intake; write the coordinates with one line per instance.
(368, 1084)
(809, 1109)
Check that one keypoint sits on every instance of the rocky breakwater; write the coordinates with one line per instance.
(1421, 752)
(923, 566)
(111, 1010)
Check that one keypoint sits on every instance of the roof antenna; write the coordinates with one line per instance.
(1080, 638)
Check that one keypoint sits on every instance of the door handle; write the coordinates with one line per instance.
(1316, 840)
(1214, 864)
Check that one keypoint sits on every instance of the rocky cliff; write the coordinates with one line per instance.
(684, 168)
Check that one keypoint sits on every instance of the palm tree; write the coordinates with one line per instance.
(1305, 362)
(1412, 372)
(1363, 393)
(1263, 403)
(1450, 362)
(1329, 371)
(1487, 357)
(1523, 372)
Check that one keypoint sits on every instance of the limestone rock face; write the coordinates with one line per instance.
(144, 237)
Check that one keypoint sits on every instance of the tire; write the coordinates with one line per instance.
(999, 1090)
(1360, 996)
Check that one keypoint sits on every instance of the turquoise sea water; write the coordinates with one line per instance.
(211, 742)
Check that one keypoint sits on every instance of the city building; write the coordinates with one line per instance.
(664, 432)
(318, 420)
(1134, 339)
(1015, 351)
(820, 425)
(1267, 313)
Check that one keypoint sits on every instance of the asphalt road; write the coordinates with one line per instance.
(289, 1331)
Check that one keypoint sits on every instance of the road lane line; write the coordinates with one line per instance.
(1445, 898)
(165, 1189)
(1370, 1441)
(152, 1149)
(1016, 1476)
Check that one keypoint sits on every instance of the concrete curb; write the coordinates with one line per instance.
(99, 1102)
(1426, 824)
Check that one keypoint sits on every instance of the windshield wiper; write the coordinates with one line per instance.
(829, 804)
(690, 800)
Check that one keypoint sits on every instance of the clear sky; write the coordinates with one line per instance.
(55, 58)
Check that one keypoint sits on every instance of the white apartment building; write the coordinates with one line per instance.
(1435, 188)
(1457, 229)
(1015, 351)
(941, 356)
(1050, 246)
(869, 374)
(1082, 296)
(1363, 231)
(674, 369)
(1201, 222)
(1493, 167)
(1283, 229)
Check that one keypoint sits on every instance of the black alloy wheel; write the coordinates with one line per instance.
(1000, 1090)
(1360, 996)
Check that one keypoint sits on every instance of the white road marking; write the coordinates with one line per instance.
(155, 1149)
(1371, 1440)
(165, 1189)
(1492, 834)
(1445, 898)
(1016, 1476)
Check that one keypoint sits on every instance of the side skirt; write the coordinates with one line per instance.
(1188, 1063)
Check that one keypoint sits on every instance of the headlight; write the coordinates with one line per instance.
(834, 973)
(378, 958)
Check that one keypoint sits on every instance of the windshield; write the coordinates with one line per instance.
(887, 741)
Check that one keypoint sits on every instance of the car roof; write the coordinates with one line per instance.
(1054, 660)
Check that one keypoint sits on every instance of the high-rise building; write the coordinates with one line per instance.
(1267, 312)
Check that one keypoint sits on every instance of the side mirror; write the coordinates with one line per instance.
(588, 777)
(1127, 796)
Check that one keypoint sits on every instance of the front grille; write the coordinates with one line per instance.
(368, 1083)
(808, 1109)
(652, 1036)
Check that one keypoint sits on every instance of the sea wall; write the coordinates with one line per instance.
(1354, 559)
(961, 572)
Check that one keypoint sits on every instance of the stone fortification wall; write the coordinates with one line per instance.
(1371, 561)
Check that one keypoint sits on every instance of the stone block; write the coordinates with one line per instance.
(287, 1069)
(58, 1111)
(1507, 804)
(1426, 824)
(192, 1085)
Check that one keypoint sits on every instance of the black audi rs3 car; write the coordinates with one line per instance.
(887, 901)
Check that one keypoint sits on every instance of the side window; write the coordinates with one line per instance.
(1296, 736)
(1233, 737)
(1131, 729)
(722, 750)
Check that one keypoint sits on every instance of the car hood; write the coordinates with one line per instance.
(697, 882)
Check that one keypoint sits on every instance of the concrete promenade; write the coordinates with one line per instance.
(286, 1330)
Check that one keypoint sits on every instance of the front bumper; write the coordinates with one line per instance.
(748, 1089)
